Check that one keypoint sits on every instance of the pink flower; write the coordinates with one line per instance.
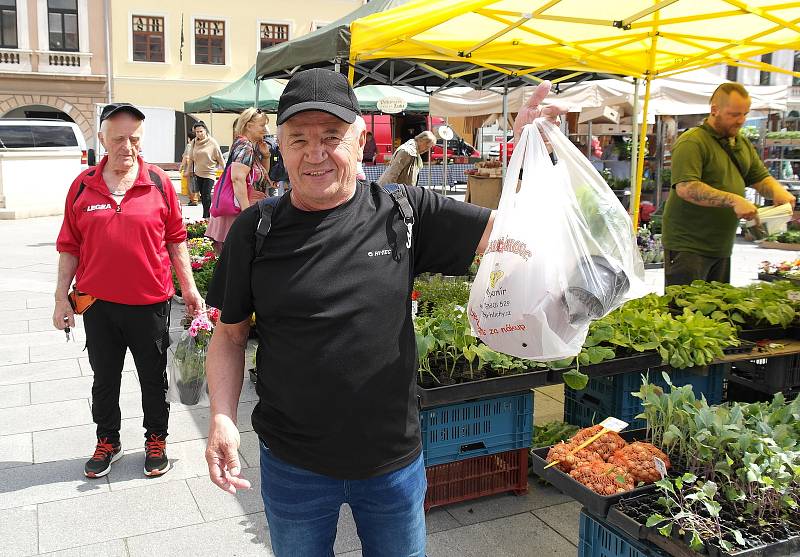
(193, 331)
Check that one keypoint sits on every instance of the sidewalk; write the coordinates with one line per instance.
(47, 507)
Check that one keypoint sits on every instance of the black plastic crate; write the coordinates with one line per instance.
(770, 374)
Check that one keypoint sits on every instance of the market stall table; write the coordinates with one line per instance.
(455, 174)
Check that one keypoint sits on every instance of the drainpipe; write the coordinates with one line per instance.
(109, 73)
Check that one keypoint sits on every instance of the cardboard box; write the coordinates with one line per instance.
(628, 128)
(598, 129)
(599, 115)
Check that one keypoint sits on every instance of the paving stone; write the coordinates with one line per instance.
(76, 442)
(46, 324)
(553, 391)
(16, 450)
(187, 460)
(546, 409)
(41, 301)
(564, 519)
(50, 337)
(15, 395)
(13, 355)
(216, 504)
(77, 387)
(521, 535)
(243, 536)
(163, 507)
(51, 481)
(39, 371)
(346, 533)
(111, 548)
(18, 532)
(24, 314)
(52, 415)
(14, 327)
(59, 350)
(437, 520)
(506, 504)
(249, 448)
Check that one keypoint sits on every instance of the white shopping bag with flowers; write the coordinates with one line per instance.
(187, 370)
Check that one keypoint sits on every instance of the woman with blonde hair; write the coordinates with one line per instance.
(249, 169)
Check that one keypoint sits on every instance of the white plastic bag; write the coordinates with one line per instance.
(562, 253)
(187, 370)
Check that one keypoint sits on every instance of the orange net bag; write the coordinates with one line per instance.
(567, 461)
(637, 458)
(603, 478)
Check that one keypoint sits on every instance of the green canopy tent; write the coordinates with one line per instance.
(241, 94)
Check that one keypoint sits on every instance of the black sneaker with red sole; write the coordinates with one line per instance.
(156, 462)
(105, 453)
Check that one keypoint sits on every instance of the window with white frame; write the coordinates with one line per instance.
(209, 41)
(62, 21)
(271, 34)
(796, 80)
(148, 38)
(8, 24)
(732, 73)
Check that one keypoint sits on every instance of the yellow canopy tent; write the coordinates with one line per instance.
(644, 39)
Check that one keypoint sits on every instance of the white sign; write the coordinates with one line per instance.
(660, 466)
(793, 295)
(392, 105)
(445, 133)
(614, 424)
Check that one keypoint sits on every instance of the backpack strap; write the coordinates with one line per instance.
(154, 176)
(398, 194)
(266, 207)
(82, 186)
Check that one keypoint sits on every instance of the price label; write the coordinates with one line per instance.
(614, 424)
(660, 466)
(793, 295)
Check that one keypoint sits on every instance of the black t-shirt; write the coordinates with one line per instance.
(337, 354)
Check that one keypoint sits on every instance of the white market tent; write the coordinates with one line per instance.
(684, 94)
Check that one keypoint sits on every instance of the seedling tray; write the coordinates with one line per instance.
(767, 277)
(459, 392)
(645, 504)
(745, 347)
(769, 333)
(596, 504)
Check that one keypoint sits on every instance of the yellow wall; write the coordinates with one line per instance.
(171, 83)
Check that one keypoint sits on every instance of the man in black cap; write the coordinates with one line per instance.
(337, 416)
(122, 229)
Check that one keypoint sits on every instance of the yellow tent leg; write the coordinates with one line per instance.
(640, 157)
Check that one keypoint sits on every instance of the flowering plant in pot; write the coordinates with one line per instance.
(187, 383)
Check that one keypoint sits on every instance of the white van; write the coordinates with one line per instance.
(38, 161)
(42, 134)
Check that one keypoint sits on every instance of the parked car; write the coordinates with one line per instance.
(496, 152)
(456, 147)
(43, 134)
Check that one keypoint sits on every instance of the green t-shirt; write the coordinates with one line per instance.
(699, 156)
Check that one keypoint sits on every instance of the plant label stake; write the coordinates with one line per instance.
(793, 295)
(660, 466)
(609, 424)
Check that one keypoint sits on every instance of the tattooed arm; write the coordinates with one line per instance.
(702, 194)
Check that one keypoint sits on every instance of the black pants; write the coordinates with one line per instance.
(682, 267)
(111, 329)
(204, 186)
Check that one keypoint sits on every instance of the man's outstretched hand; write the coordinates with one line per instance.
(531, 110)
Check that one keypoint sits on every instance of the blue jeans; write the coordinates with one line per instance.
(302, 509)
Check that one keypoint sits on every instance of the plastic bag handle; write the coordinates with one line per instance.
(530, 149)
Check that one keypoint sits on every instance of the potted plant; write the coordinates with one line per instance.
(188, 371)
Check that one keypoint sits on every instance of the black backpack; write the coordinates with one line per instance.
(277, 171)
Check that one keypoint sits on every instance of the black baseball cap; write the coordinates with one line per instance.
(115, 108)
(318, 89)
